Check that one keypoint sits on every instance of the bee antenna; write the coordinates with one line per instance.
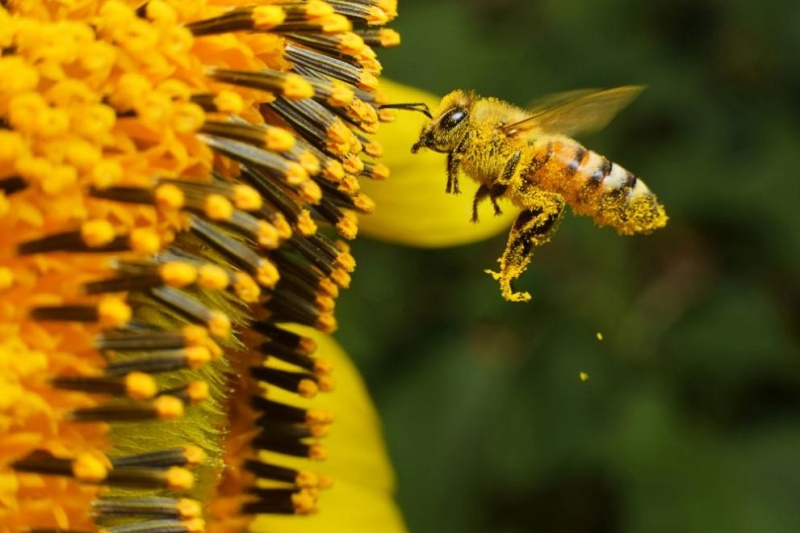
(418, 106)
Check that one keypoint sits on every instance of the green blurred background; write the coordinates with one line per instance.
(690, 418)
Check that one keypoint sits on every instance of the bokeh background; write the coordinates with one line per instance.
(690, 419)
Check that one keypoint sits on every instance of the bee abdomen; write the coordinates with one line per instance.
(597, 187)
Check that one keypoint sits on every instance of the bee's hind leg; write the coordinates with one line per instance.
(533, 227)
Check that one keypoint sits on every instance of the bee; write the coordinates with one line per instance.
(529, 158)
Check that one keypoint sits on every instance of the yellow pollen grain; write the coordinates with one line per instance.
(295, 174)
(188, 508)
(89, 469)
(334, 171)
(351, 43)
(346, 260)
(307, 388)
(229, 102)
(82, 154)
(326, 383)
(341, 95)
(267, 275)
(219, 324)
(307, 479)
(97, 233)
(161, 12)
(324, 303)
(310, 192)
(179, 479)
(310, 162)
(374, 149)
(168, 407)
(177, 274)
(194, 455)
(335, 24)
(11, 146)
(317, 452)
(341, 278)
(377, 16)
(267, 17)
(319, 416)
(583, 376)
(353, 165)
(268, 236)
(296, 87)
(106, 173)
(282, 225)
(212, 277)
(380, 172)
(387, 115)
(194, 525)
(140, 386)
(347, 228)
(246, 198)
(303, 502)
(198, 391)
(316, 9)
(319, 431)
(279, 139)
(323, 367)
(305, 223)
(61, 178)
(195, 335)
(217, 207)
(389, 38)
(145, 241)
(364, 203)
(6, 278)
(326, 323)
(187, 117)
(196, 356)
(599, 336)
(246, 288)
(367, 81)
(113, 312)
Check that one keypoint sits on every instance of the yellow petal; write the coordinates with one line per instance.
(361, 496)
(412, 207)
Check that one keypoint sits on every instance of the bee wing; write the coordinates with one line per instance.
(574, 112)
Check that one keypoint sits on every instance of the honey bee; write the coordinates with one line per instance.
(529, 158)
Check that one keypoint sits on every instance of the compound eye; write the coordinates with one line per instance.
(453, 118)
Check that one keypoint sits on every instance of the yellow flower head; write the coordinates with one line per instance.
(175, 180)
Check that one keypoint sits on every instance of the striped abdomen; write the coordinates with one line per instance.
(594, 186)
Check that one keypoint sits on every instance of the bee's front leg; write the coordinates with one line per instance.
(454, 163)
(532, 227)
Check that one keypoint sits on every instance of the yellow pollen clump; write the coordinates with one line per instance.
(212, 277)
(178, 274)
(279, 140)
(179, 479)
(89, 468)
(266, 17)
(96, 233)
(297, 87)
(219, 325)
(246, 198)
(145, 241)
(267, 275)
(217, 207)
(113, 312)
(140, 386)
(168, 408)
(246, 288)
(169, 197)
(197, 356)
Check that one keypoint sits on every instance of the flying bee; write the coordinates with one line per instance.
(528, 157)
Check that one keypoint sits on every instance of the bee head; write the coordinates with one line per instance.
(449, 124)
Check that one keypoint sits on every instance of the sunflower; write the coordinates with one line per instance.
(177, 183)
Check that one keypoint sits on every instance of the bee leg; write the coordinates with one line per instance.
(500, 185)
(496, 192)
(482, 192)
(453, 164)
(533, 227)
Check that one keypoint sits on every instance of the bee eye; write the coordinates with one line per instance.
(453, 118)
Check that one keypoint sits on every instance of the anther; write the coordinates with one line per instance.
(162, 408)
(135, 385)
(188, 456)
(152, 507)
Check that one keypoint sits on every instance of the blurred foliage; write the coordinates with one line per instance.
(689, 419)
